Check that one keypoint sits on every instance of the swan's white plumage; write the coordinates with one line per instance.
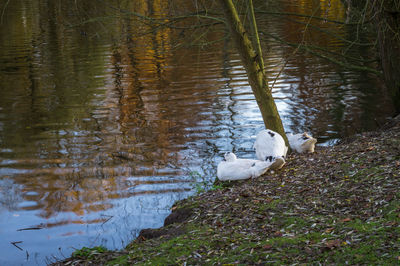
(236, 169)
(269, 145)
(301, 142)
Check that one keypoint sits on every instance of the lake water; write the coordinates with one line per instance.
(83, 88)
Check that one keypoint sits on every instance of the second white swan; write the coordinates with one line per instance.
(233, 168)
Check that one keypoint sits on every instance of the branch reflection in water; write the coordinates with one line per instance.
(103, 128)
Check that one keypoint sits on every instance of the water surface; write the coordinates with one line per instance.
(76, 96)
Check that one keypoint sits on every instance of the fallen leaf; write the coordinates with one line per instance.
(308, 250)
(346, 220)
(333, 243)
(267, 246)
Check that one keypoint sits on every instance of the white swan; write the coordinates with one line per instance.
(236, 169)
(270, 146)
(301, 142)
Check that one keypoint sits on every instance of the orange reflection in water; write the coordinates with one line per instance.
(87, 122)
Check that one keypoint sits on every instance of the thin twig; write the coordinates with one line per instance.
(306, 16)
(15, 244)
(331, 59)
(30, 228)
(295, 51)
(4, 9)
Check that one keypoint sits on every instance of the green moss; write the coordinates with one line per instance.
(189, 203)
(174, 250)
(295, 222)
(122, 260)
(363, 254)
(88, 252)
(368, 173)
(268, 205)
(392, 211)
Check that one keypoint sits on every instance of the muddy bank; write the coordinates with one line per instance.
(338, 205)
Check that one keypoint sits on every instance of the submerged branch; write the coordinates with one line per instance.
(4, 9)
(333, 34)
(305, 16)
(331, 59)
(342, 55)
(199, 14)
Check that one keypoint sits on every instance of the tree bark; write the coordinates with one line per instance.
(255, 70)
(254, 33)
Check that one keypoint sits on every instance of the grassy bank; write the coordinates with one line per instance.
(339, 205)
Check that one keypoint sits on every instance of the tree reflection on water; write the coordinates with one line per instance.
(82, 82)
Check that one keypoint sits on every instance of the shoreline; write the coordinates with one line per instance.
(338, 205)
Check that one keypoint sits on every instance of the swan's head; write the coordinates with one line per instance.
(305, 136)
(230, 157)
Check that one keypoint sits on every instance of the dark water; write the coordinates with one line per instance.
(76, 95)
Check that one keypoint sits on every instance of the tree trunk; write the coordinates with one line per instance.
(255, 70)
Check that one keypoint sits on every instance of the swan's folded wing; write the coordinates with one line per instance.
(269, 144)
